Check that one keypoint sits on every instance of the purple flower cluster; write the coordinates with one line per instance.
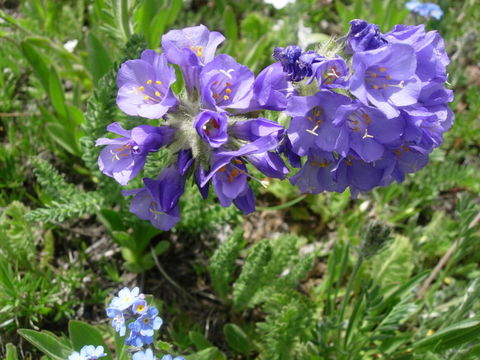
(362, 126)
(206, 127)
(394, 115)
(130, 309)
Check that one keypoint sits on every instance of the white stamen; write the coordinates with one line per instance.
(227, 73)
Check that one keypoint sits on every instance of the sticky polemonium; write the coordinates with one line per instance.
(191, 48)
(363, 36)
(145, 86)
(124, 157)
(312, 125)
(368, 129)
(226, 84)
(385, 77)
(157, 201)
(212, 128)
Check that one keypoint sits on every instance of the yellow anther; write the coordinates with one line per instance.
(228, 91)
(157, 93)
(158, 82)
(318, 113)
(388, 77)
(199, 53)
(226, 97)
(149, 82)
(373, 75)
(356, 122)
(406, 149)
(376, 87)
(384, 86)
(310, 118)
(356, 129)
(199, 48)
(348, 162)
(192, 48)
(397, 152)
(228, 84)
(382, 69)
(141, 88)
(146, 97)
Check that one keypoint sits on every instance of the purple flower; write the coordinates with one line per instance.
(330, 73)
(402, 160)
(312, 125)
(253, 129)
(368, 129)
(386, 78)
(364, 36)
(144, 86)
(203, 186)
(296, 64)
(317, 174)
(158, 200)
(271, 89)
(191, 48)
(287, 149)
(212, 128)
(184, 161)
(124, 157)
(432, 59)
(225, 84)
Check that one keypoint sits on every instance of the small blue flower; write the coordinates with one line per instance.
(125, 298)
(169, 357)
(144, 355)
(426, 10)
(91, 352)
(118, 320)
(88, 352)
(139, 307)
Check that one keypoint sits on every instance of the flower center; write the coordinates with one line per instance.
(358, 121)
(316, 117)
(152, 91)
(121, 152)
(331, 75)
(379, 79)
(211, 127)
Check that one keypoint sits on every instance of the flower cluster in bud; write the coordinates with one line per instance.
(368, 122)
(393, 115)
(206, 127)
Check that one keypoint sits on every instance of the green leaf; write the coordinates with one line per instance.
(394, 265)
(230, 23)
(55, 90)
(211, 353)
(451, 337)
(37, 63)
(46, 343)
(99, 61)
(236, 338)
(199, 340)
(82, 334)
(11, 352)
(63, 137)
(161, 247)
(121, 349)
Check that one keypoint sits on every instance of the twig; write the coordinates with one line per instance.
(443, 261)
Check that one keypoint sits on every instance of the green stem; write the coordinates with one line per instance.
(122, 13)
(283, 206)
(346, 298)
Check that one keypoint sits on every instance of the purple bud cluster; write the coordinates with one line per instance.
(130, 309)
(365, 122)
(393, 116)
